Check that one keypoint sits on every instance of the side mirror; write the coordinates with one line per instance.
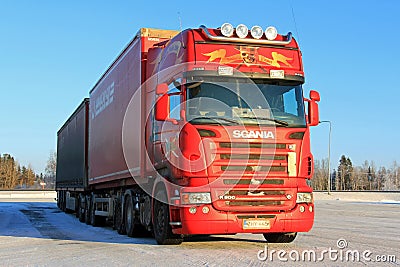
(162, 108)
(313, 111)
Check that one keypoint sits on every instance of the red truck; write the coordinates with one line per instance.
(198, 132)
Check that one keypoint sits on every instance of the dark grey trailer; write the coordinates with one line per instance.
(72, 150)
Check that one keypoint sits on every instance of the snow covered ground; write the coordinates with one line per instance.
(39, 234)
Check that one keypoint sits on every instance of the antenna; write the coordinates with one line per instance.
(295, 23)
(180, 30)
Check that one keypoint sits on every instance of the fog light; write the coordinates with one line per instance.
(302, 209)
(192, 210)
(288, 196)
(310, 208)
(271, 33)
(242, 31)
(227, 29)
(256, 32)
(205, 209)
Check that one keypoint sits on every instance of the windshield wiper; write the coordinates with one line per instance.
(216, 119)
(284, 123)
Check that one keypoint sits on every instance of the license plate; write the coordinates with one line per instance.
(277, 74)
(256, 224)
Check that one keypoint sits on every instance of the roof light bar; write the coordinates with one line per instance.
(287, 39)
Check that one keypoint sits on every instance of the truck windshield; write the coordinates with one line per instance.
(244, 101)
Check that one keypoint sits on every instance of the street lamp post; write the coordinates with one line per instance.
(329, 156)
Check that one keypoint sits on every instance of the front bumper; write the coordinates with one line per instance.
(299, 219)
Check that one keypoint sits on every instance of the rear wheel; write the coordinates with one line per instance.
(162, 229)
(118, 218)
(95, 220)
(129, 217)
(132, 227)
(81, 208)
(62, 201)
(280, 237)
(87, 210)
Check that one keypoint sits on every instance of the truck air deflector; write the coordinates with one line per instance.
(288, 38)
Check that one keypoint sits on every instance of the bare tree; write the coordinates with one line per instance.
(320, 178)
(50, 175)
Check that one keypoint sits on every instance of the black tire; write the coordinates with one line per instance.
(87, 210)
(162, 229)
(81, 208)
(63, 205)
(280, 237)
(94, 219)
(132, 228)
(119, 218)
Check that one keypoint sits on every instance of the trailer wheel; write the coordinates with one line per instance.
(280, 237)
(81, 208)
(95, 220)
(59, 199)
(162, 229)
(87, 210)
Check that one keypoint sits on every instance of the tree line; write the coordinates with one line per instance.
(346, 176)
(343, 177)
(16, 176)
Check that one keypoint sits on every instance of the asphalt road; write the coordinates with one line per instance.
(345, 234)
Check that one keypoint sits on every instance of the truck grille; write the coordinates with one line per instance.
(253, 177)
(233, 158)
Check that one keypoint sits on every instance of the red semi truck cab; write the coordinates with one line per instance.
(204, 131)
(232, 130)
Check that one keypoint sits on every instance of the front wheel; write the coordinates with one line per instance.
(280, 237)
(162, 229)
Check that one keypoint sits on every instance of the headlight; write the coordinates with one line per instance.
(304, 198)
(242, 31)
(271, 33)
(196, 198)
(256, 32)
(227, 29)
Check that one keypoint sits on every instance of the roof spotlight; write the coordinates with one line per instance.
(256, 32)
(227, 29)
(242, 31)
(271, 33)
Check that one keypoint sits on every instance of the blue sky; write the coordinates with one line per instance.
(53, 52)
